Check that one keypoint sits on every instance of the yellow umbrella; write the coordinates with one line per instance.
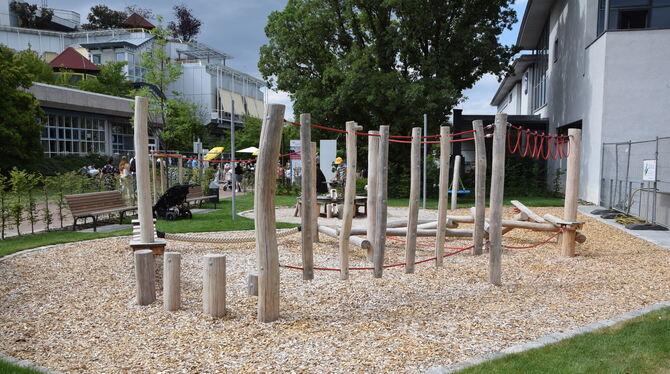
(213, 153)
(255, 153)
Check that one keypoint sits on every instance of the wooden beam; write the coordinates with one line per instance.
(355, 240)
(382, 202)
(524, 209)
(349, 197)
(571, 191)
(373, 158)
(496, 200)
(455, 182)
(307, 200)
(480, 187)
(414, 194)
(443, 194)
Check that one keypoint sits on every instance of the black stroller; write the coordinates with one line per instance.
(173, 203)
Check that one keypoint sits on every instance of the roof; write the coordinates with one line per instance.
(534, 19)
(118, 43)
(135, 20)
(71, 59)
(518, 66)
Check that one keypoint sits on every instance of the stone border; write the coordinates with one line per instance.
(548, 339)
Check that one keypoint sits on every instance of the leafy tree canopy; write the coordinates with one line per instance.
(30, 15)
(186, 27)
(111, 80)
(144, 12)
(185, 124)
(102, 17)
(19, 124)
(38, 70)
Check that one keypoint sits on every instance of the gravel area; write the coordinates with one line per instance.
(71, 307)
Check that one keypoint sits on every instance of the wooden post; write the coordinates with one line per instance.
(379, 245)
(145, 276)
(496, 200)
(264, 206)
(214, 285)
(349, 197)
(180, 168)
(442, 200)
(571, 191)
(171, 280)
(414, 194)
(307, 198)
(480, 187)
(164, 184)
(252, 285)
(141, 142)
(315, 210)
(153, 179)
(373, 153)
(455, 182)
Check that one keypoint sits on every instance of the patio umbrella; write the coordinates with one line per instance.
(213, 153)
(248, 150)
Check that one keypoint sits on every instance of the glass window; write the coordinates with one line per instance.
(539, 71)
(660, 17)
(634, 14)
(96, 59)
(120, 56)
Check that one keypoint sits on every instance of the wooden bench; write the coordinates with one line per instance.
(94, 203)
(195, 195)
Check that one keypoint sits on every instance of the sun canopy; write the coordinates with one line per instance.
(213, 153)
(248, 150)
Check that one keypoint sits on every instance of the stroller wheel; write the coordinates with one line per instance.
(170, 216)
(188, 214)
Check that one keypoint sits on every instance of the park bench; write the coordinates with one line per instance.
(95, 203)
(196, 195)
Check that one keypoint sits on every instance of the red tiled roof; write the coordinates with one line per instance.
(71, 59)
(135, 20)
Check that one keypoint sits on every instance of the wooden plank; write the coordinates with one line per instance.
(145, 276)
(414, 194)
(480, 187)
(373, 155)
(455, 182)
(571, 191)
(429, 232)
(382, 202)
(524, 209)
(349, 196)
(171, 281)
(264, 206)
(214, 285)
(307, 203)
(443, 194)
(496, 199)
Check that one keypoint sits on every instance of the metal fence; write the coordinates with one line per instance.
(636, 179)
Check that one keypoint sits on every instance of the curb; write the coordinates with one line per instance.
(548, 339)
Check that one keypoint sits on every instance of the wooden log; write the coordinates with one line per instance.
(526, 210)
(456, 182)
(433, 225)
(480, 187)
(172, 281)
(355, 240)
(349, 197)
(315, 209)
(461, 219)
(568, 225)
(571, 191)
(214, 285)
(473, 211)
(430, 232)
(307, 202)
(142, 169)
(521, 216)
(443, 194)
(373, 150)
(180, 169)
(264, 206)
(329, 211)
(580, 238)
(145, 276)
(382, 202)
(414, 194)
(529, 225)
(496, 200)
(252, 285)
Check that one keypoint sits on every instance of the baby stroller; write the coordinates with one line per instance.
(173, 203)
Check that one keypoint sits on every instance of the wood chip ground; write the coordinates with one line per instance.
(72, 307)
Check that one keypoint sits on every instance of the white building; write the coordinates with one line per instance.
(612, 82)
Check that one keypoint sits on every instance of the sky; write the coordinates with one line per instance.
(236, 27)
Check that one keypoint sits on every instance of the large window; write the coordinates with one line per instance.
(122, 138)
(634, 14)
(539, 71)
(66, 133)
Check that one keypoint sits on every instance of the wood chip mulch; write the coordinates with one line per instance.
(71, 308)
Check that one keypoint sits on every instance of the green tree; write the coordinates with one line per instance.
(39, 70)
(248, 136)
(185, 123)
(111, 80)
(20, 124)
(31, 16)
(101, 17)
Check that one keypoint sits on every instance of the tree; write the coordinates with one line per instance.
(30, 16)
(102, 17)
(39, 70)
(20, 124)
(187, 26)
(144, 12)
(111, 80)
(184, 125)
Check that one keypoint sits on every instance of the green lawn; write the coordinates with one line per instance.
(7, 368)
(468, 201)
(641, 345)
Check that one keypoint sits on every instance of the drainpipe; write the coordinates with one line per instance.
(607, 16)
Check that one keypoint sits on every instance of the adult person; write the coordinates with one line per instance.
(124, 171)
(108, 175)
(321, 183)
(239, 170)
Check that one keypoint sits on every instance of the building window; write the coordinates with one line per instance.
(634, 14)
(539, 71)
(120, 56)
(122, 138)
(73, 133)
(96, 59)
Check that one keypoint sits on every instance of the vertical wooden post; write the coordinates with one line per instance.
(455, 182)
(379, 245)
(496, 200)
(252, 285)
(264, 206)
(145, 276)
(171, 280)
(480, 187)
(141, 142)
(315, 209)
(214, 285)
(307, 200)
(349, 197)
(153, 178)
(373, 154)
(571, 191)
(442, 200)
(162, 161)
(414, 194)
(180, 168)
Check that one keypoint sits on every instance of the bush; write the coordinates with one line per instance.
(65, 163)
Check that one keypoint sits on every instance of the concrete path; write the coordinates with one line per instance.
(108, 228)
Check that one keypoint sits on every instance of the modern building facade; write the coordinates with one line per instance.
(601, 66)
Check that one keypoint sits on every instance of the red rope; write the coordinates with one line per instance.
(534, 245)
(518, 142)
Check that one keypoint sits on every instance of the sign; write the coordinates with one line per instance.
(649, 170)
(295, 148)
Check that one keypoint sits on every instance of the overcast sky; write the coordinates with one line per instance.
(236, 27)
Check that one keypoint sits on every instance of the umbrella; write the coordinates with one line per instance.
(213, 153)
(248, 150)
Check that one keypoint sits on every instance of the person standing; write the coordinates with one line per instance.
(108, 175)
(124, 172)
(238, 176)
